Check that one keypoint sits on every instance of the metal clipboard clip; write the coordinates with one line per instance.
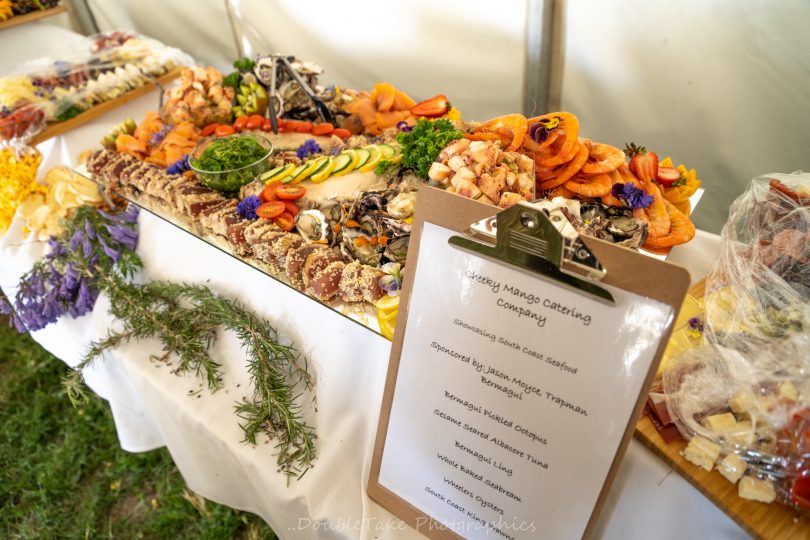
(540, 239)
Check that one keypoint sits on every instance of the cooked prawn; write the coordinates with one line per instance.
(562, 151)
(628, 176)
(590, 186)
(566, 171)
(559, 121)
(560, 191)
(531, 146)
(602, 158)
(682, 229)
(608, 198)
(655, 215)
(515, 124)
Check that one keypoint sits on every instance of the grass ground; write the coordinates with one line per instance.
(63, 475)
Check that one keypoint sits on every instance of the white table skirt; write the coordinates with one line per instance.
(153, 407)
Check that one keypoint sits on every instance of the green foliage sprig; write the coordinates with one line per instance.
(186, 319)
(421, 145)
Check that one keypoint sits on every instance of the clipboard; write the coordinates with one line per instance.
(622, 269)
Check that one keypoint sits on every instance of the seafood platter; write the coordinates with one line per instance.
(48, 91)
(316, 185)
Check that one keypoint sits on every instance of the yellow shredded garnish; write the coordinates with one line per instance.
(454, 114)
(19, 181)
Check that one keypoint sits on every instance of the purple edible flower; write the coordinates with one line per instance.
(111, 253)
(180, 166)
(695, 323)
(89, 230)
(130, 215)
(76, 239)
(309, 147)
(392, 280)
(538, 132)
(123, 235)
(631, 196)
(57, 250)
(157, 137)
(247, 207)
(403, 126)
(87, 248)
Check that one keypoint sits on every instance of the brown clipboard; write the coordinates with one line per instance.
(626, 269)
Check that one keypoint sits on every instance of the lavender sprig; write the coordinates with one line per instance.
(66, 280)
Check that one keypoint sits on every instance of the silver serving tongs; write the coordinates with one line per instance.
(283, 61)
(541, 241)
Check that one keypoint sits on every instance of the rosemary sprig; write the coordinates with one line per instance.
(185, 319)
(96, 253)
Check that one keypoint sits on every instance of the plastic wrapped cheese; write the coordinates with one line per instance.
(746, 385)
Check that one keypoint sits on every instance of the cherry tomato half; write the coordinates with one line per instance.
(209, 130)
(303, 127)
(269, 192)
(342, 133)
(270, 210)
(255, 121)
(285, 221)
(240, 122)
(324, 128)
(291, 208)
(224, 131)
(290, 193)
(266, 125)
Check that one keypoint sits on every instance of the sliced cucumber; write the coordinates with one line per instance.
(324, 171)
(375, 155)
(341, 162)
(362, 157)
(290, 177)
(309, 169)
(277, 174)
(387, 150)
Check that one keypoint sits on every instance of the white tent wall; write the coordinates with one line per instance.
(720, 85)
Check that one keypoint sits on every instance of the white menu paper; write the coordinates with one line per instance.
(512, 395)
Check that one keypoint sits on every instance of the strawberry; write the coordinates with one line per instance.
(432, 108)
(668, 176)
(643, 164)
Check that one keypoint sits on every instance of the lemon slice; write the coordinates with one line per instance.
(325, 171)
(390, 316)
(375, 155)
(360, 157)
(387, 303)
(387, 329)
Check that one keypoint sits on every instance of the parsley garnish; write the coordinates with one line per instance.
(421, 146)
(231, 80)
(383, 166)
(244, 64)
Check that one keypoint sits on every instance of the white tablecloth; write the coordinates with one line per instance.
(153, 407)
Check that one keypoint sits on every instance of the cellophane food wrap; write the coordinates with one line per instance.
(56, 89)
(754, 360)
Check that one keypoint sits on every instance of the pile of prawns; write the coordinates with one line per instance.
(573, 167)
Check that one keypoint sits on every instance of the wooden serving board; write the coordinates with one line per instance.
(766, 521)
(58, 128)
(31, 17)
